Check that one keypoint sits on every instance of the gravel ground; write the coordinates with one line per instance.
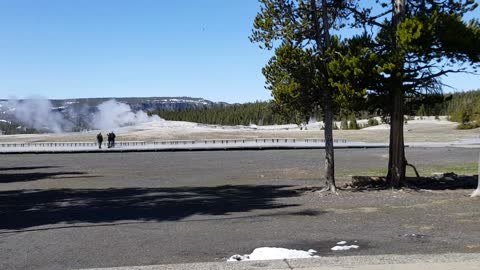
(69, 211)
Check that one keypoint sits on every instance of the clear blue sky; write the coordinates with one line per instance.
(110, 48)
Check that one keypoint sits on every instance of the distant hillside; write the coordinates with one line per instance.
(142, 103)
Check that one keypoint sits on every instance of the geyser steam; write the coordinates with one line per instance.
(113, 114)
(38, 113)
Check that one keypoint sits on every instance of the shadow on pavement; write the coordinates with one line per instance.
(26, 168)
(22, 209)
(26, 177)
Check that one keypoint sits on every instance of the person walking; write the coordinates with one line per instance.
(100, 140)
(109, 140)
(113, 139)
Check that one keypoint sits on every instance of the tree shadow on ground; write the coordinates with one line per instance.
(22, 209)
(444, 183)
(27, 177)
(447, 182)
(22, 168)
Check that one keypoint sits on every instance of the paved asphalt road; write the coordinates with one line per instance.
(63, 211)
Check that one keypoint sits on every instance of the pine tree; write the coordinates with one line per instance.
(412, 49)
(298, 75)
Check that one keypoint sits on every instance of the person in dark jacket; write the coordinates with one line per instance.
(100, 140)
(112, 139)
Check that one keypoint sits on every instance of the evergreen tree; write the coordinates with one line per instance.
(298, 75)
(419, 43)
(344, 124)
(353, 122)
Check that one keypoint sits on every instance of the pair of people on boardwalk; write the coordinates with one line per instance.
(110, 137)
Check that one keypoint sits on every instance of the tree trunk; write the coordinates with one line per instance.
(328, 107)
(322, 44)
(397, 162)
(329, 156)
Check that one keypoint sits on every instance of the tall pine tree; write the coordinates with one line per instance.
(416, 42)
(298, 75)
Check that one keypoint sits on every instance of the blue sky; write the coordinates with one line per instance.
(114, 48)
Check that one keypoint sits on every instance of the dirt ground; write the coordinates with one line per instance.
(69, 211)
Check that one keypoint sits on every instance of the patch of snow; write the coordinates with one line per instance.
(381, 126)
(342, 245)
(476, 193)
(272, 253)
(336, 248)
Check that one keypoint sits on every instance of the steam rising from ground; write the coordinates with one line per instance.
(38, 113)
(113, 114)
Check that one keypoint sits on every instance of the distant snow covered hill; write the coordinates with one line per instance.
(136, 103)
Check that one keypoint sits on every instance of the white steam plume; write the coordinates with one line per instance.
(113, 114)
(37, 113)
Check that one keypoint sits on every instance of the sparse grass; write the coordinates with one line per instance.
(468, 125)
(459, 169)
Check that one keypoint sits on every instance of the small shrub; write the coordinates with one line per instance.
(468, 125)
(353, 122)
(372, 122)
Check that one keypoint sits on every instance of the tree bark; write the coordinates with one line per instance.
(328, 118)
(397, 162)
(323, 43)
(329, 152)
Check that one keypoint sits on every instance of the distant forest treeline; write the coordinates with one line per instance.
(8, 128)
(462, 107)
(258, 113)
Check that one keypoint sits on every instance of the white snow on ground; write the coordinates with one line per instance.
(417, 122)
(272, 253)
(164, 125)
(342, 245)
(381, 126)
(476, 193)
(336, 248)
